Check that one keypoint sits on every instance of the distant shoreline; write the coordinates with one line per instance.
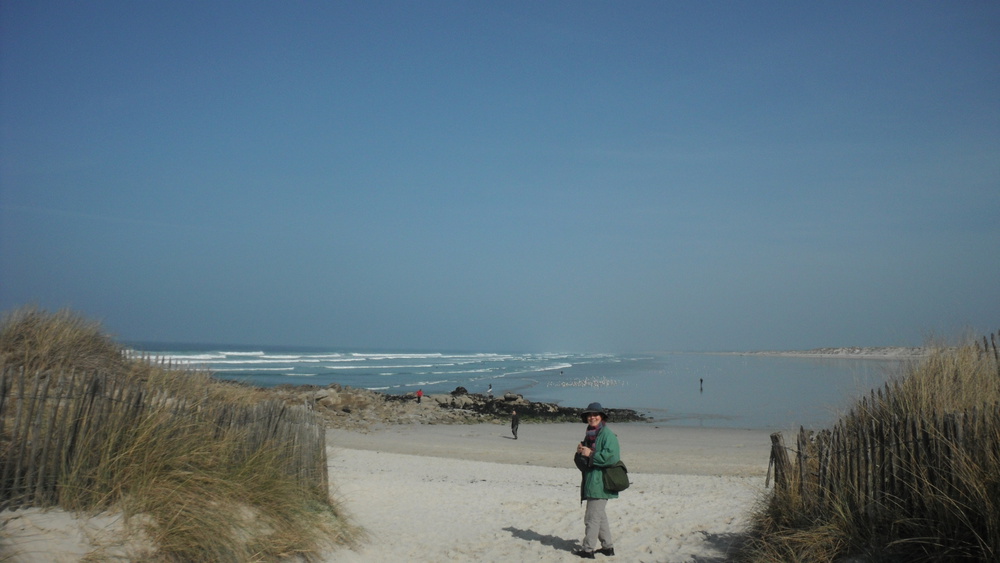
(850, 352)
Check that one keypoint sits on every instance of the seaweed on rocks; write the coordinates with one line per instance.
(347, 407)
(545, 412)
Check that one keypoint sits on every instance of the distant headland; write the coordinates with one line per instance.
(859, 352)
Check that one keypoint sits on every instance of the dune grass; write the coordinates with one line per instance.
(198, 490)
(949, 507)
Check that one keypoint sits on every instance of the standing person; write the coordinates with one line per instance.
(515, 421)
(420, 395)
(598, 450)
(490, 392)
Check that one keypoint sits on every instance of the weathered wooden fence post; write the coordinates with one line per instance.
(57, 424)
(802, 460)
(779, 460)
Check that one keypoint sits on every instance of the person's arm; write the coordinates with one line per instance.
(582, 461)
(606, 451)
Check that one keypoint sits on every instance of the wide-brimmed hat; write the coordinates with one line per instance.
(591, 409)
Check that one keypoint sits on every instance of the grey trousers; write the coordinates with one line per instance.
(596, 525)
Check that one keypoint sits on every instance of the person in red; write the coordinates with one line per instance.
(420, 394)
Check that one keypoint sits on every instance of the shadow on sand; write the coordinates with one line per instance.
(726, 544)
(551, 541)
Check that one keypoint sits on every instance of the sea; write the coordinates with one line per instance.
(724, 390)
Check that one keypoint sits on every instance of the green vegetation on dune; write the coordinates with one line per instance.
(911, 473)
(206, 470)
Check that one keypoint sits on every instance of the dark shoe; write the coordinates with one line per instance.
(584, 554)
(609, 551)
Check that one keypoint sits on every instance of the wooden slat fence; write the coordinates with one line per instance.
(874, 461)
(934, 470)
(54, 424)
(895, 462)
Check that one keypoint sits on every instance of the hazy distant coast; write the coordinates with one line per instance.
(867, 353)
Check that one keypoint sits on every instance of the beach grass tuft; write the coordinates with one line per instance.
(911, 473)
(166, 448)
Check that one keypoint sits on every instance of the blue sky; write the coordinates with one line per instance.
(579, 176)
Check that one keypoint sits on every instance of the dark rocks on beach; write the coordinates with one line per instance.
(347, 407)
(544, 412)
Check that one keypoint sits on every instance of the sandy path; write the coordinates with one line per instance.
(474, 494)
(471, 493)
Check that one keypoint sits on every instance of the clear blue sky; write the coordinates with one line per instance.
(578, 176)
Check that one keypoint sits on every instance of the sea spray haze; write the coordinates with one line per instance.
(688, 389)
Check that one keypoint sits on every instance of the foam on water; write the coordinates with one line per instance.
(675, 388)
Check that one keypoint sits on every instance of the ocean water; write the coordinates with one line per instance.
(676, 389)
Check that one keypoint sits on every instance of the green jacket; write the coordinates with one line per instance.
(606, 453)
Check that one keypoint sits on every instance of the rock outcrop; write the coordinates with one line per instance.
(359, 409)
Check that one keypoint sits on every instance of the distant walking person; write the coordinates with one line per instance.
(515, 421)
(598, 450)
(420, 394)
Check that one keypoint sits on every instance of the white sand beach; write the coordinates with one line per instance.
(426, 492)
(472, 493)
